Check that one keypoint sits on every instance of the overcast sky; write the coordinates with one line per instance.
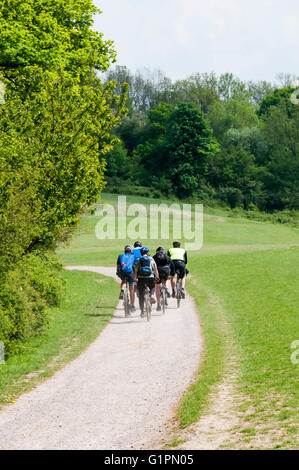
(254, 39)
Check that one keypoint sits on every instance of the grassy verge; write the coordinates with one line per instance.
(216, 336)
(259, 304)
(89, 304)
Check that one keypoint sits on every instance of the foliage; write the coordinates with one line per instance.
(30, 288)
(63, 151)
(277, 97)
(55, 129)
(282, 133)
(190, 144)
(255, 124)
(51, 34)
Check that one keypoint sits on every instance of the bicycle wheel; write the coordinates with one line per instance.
(163, 298)
(178, 292)
(127, 302)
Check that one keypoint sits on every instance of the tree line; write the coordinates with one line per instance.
(55, 120)
(212, 138)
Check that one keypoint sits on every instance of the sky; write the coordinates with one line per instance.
(254, 39)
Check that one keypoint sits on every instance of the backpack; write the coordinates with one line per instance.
(161, 258)
(145, 269)
(126, 263)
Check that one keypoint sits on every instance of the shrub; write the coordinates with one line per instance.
(26, 294)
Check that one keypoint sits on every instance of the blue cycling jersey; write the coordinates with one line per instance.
(137, 253)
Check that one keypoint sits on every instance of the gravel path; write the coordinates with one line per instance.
(118, 394)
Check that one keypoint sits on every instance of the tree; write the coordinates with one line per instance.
(55, 129)
(277, 97)
(190, 145)
(152, 152)
(250, 139)
(259, 90)
(282, 134)
(51, 34)
(231, 114)
(58, 133)
(117, 162)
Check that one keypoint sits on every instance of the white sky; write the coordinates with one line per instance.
(254, 39)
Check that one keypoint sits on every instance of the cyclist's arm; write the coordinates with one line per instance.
(185, 258)
(135, 270)
(155, 269)
(118, 265)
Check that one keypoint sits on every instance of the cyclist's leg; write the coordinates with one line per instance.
(172, 277)
(158, 286)
(158, 294)
(141, 288)
(182, 275)
(122, 286)
(152, 287)
(167, 289)
(165, 281)
(132, 289)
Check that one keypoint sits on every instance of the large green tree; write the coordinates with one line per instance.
(281, 130)
(55, 130)
(190, 145)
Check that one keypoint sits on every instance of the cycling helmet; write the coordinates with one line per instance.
(137, 245)
(128, 249)
(144, 249)
(176, 244)
(160, 248)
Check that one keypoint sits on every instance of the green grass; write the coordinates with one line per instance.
(212, 367)
(244, 284)
(89, 304)
(258, 292)
(222, 234)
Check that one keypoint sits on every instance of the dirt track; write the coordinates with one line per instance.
(118, 394)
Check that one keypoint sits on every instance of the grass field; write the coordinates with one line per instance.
(244, 281)
(88, 307)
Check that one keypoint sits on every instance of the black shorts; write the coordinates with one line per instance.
(127, 277)
(164, 272)
(179, 267)
(144, 282)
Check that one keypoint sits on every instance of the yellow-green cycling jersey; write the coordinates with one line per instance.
(178, 254)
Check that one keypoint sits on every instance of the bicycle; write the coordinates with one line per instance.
(178, 289)
(163, 296)
(147, 304)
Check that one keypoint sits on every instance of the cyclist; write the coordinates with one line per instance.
(125, 271)
(136, 250)
(163, 263)
(146, 273)
(178, 264)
